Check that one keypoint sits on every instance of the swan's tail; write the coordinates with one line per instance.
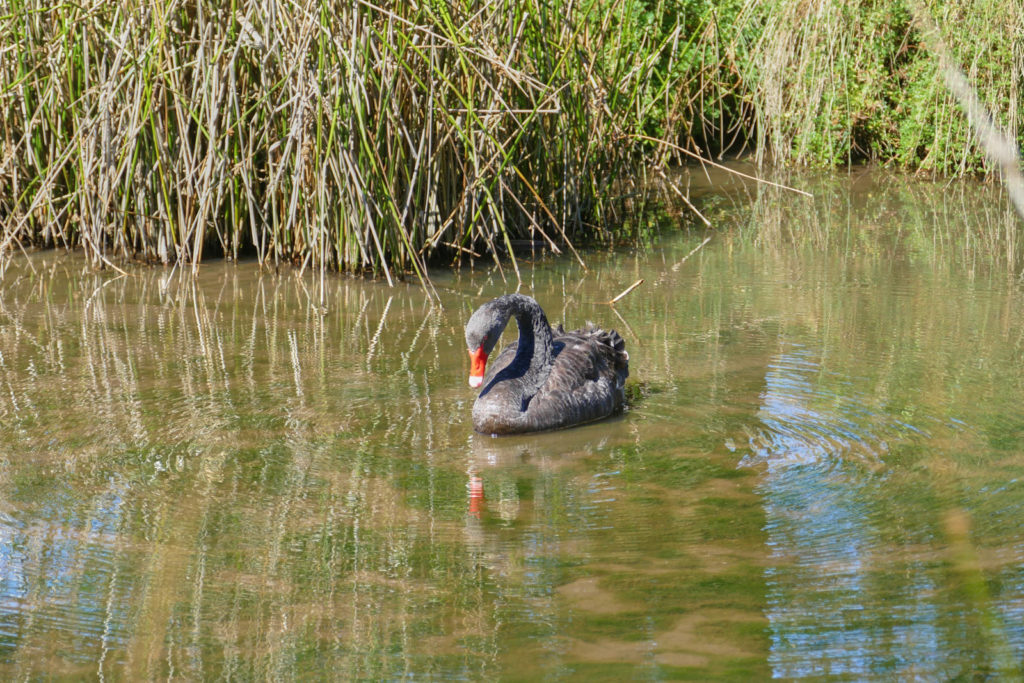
(615, 340)
(612, 343)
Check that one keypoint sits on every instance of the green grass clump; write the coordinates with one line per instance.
(829, 82)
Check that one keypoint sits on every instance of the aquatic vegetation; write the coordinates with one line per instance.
(382, 136)
(835, 82)
(334, 135)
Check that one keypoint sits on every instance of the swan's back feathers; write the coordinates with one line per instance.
(610, 343)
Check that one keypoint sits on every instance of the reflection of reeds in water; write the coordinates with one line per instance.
(208, 414)
(964, 224)
(983, 615)
(863, 276)
(862, 350)
(282, 490)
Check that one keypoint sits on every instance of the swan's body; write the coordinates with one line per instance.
(547, 379)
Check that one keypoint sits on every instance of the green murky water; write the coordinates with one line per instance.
(821, 472)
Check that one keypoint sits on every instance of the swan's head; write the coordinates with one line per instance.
(482, 332)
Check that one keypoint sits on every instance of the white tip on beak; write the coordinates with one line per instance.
(475, 381)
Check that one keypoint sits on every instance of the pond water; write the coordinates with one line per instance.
(821, 471)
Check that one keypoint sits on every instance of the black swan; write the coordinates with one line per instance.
(549, 378)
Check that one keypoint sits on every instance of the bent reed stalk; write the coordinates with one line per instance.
(333, 135)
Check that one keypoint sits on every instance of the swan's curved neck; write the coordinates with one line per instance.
(535, 339)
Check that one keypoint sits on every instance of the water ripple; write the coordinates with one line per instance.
(810, 415)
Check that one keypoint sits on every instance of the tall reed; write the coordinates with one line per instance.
(341, 135)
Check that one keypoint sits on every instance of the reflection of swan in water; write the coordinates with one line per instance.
(494, 465)
(547, 379)
(476, 494)
(508, 488)
(547, 450)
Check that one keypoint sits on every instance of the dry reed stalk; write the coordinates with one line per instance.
(626, 291)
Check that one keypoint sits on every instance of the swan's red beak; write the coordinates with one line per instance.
(477, 365)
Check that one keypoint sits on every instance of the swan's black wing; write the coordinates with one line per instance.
(587, 380)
